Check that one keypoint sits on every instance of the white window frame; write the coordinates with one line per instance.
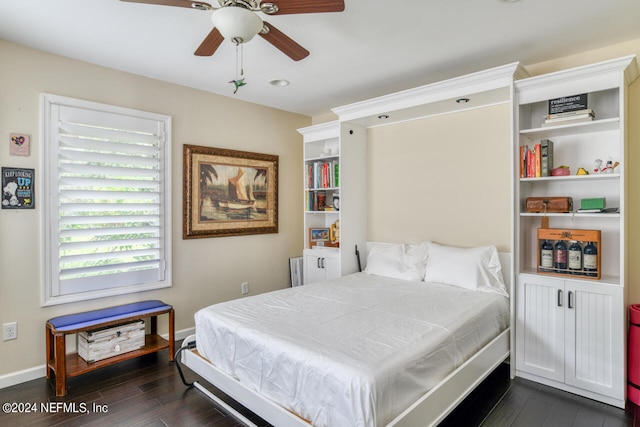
(53, 107)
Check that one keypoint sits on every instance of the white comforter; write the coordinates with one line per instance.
(355, 351)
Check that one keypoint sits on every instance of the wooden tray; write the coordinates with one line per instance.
(582, 236)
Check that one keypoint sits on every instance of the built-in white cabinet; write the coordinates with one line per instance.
(570, 335)
(335, 194)
(321, 264)
(570, 331)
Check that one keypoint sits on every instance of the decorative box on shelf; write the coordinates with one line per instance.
(99, 344)
(549, 204)
(586, 266)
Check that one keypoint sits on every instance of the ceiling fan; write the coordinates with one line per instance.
(238, 21)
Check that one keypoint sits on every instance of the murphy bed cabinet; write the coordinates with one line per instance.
(334, 172)
(571, 329)
(345, 141)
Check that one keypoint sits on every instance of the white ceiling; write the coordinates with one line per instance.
(372, 48)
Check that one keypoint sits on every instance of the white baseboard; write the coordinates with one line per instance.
(39, 371)
(181, 334)
(23, 376)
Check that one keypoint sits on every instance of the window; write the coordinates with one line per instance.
(106, 215)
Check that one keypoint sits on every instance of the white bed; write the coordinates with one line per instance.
(362, 350)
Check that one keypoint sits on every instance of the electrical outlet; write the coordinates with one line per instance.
(9, 331)
(244, 287)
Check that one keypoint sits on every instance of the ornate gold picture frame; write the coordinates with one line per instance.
(228, 192)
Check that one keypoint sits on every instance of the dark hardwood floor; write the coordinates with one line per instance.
(501, 401)
(147, 391)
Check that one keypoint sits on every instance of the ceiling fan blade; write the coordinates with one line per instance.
(287, 7)
(210, 43)
(179, 3)
(283, 42)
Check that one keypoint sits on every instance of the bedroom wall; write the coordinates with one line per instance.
(205, 271)
(435, 179)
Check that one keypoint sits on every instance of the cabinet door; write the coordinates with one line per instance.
(321, 265)
(540, 326)
(595, 338)
(313, 270)
(332, 267)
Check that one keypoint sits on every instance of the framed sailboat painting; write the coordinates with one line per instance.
(229, 192)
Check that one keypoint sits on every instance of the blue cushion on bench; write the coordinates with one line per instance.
(95, 317)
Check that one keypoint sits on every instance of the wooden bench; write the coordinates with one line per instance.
(69, 365)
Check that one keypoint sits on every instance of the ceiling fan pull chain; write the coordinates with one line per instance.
(237, 60)
(239, 65)
(242, 59)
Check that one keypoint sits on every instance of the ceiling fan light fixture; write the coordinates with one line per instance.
(236, 23)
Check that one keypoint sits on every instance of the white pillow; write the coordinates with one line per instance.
(470, 268)
(396, 260)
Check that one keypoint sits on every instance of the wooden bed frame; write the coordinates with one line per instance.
(428, 410)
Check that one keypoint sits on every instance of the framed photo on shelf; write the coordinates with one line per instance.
(228, 192)
(318, 236)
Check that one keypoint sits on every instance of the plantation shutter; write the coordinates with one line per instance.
(108, 200)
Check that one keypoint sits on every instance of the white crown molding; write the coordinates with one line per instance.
(464, 86)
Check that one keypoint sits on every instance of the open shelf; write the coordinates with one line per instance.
(603, 125)
(76, 365)
(595, 176)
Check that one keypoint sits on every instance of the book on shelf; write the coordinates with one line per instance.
(598, 210)
(536, 161)
(531, 161)
(571, 113)
(546, 157)
(568, 103)
(570, 118)
(567, 122)
(311, 201)
(322, 174)
(321, 198)
(316, 201)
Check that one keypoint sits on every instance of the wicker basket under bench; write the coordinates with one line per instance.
(69, 365)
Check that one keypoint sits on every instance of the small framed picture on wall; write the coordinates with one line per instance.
(19, 144)
(17, 188)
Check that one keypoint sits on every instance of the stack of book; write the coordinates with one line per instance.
(536, 161)
(568, 117)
